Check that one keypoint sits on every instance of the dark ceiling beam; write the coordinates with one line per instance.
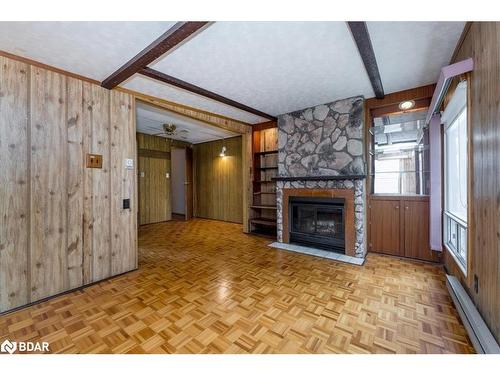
(167, 41)
(165, 78)
(359, 31)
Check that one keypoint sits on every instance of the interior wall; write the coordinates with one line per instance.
(178, 179)
(482, 43)
(218, 180)
(62, 225)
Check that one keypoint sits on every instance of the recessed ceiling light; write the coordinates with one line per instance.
(406, 105)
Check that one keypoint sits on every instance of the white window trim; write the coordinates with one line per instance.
(455, 107)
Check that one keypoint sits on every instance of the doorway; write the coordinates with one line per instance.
(182, 183)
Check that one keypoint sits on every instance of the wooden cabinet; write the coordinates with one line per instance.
(385, 227)
(400, 226)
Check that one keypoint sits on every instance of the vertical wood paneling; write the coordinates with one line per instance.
(96, 100)
(48, 183)
(482, 43)
(75, 184)
(55, 214)
(14, 202)
(219, 190)
(123, 181)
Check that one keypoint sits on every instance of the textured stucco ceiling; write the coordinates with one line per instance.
(92, 49)
(150, 120)
(275, 67)
(411, 54)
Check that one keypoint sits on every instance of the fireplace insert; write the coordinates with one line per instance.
(317, 222)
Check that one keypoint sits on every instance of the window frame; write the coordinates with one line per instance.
(449, 118)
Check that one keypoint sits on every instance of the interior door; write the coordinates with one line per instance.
(385, 226)
(154, 190)
(188, 184)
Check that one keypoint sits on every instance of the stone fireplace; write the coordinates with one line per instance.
(321, 157)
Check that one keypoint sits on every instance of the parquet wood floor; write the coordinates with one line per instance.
(205, 287)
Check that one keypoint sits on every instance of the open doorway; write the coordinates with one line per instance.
(182, 183)
(181, 174)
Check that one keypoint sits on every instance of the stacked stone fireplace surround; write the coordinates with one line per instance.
(321, 142)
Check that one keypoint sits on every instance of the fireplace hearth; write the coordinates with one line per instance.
(317, 222)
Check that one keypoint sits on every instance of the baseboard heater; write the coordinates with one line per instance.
(479, 334)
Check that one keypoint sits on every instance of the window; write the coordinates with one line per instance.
(456, 170)
(400, 150)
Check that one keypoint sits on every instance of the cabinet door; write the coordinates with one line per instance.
(416, 230)
(385, 228)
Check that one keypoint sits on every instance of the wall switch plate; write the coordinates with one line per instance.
(126, 204)
(167, 175)
(94, 161)
(129, 163)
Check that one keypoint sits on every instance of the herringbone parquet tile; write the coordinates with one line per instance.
(205, 287)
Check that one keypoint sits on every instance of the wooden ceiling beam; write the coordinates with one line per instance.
(166, 42)
(359, 31)
(165, 78)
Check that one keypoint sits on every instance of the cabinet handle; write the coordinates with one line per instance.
(396, 207)
(406, 207)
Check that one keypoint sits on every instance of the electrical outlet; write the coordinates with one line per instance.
(94, 161)
(476, 284)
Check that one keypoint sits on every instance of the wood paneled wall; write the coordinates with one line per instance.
(482, 43)
(62, 225)
(218, 181)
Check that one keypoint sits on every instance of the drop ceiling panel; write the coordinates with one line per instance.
(161, 90)
(275, 67)
(92, 49)
(411, 54)
(150, 120)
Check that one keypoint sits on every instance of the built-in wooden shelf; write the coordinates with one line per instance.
(264, 207)
(266, 153)
(265, 192)
(263, 182)
(264, 221)
(321, 178)
(266, 168)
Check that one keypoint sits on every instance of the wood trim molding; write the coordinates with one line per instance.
(347, 194)
(173, 37)
(265, 125)
(359, 31)
(169, 80)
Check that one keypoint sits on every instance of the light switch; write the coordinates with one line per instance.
(129, 163)
(167, 175)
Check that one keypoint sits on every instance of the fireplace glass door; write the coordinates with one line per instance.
(317, 222)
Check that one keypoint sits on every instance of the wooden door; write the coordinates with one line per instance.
(154, 190)
(416, 230)
(385, 226)
(188, 184)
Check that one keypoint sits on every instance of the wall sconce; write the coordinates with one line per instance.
(223, 152)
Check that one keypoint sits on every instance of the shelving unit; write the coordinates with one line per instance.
(265, 166)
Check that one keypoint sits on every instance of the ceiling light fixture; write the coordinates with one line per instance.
(406, 105)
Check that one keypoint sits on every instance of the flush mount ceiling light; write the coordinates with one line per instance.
(406, 105)
(223, 152)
